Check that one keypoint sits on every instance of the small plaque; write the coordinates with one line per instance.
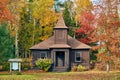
(15, 66)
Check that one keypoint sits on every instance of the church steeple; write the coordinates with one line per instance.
(60, 23)
(60, 31)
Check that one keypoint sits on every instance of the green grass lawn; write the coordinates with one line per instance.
(87, 75)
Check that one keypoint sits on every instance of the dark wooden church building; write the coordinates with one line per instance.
(64, 50)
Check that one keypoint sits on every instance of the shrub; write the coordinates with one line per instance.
(25, 65)
(92, 64)
(1, 67)
(78, 68)
(18, 73)
(100, 66)
(25, 69)
(6, 66)
(74, 68)
(81, 68)
(44, 64)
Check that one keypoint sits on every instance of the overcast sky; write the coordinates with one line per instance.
(64, 0)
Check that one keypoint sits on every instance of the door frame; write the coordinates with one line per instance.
(53, 56)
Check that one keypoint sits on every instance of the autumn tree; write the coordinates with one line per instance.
(25, 33)
(35, 24)
(45, 17)
(85, 19)
(107, 34)
(81, 6)
(5, 14)
(15, 8)
(86, 23)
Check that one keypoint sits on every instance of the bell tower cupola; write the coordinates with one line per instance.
(60, 31)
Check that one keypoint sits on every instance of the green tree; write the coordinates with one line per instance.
(35, 24)
(25, 33)
(15, 6)
(69, 17)
(6, 43)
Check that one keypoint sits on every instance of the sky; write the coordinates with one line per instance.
(64, 0)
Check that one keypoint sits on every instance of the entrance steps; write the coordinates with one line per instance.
(60, 69)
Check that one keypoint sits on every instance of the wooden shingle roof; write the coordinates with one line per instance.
(60, 23)
(72, 43)
(75, 44)
(45, 44)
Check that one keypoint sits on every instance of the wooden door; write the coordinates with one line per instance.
(60, 58)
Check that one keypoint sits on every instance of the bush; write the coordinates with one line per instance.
(92, 64)
(44, 64)
(78, 68)
(6, 66)
(100, 66)
(74, 68)
(25, 65)
(81, 68)
(1, 67)
(25, 69)
(18, 73)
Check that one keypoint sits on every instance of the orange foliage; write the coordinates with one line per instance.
(4, 11)
(107, 34)
(86, 21)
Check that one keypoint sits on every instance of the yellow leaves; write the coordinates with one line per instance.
(42, 11)
(82, 5)
(15, 6)
(47, 32)
(41, 7)
(44, 37)
(49, 18)
(95, 47)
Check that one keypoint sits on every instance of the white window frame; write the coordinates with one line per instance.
(76, 56)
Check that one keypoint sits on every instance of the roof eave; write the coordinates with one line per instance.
(82, 48)
(40, 49)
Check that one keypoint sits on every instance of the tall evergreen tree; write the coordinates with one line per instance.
(6, 43)
(69, 15)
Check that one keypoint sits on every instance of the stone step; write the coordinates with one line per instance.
(60, 69)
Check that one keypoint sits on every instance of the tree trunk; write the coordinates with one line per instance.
(25, 54)
(16, 37)
(16, 41)
(33, 35)
(108, 66)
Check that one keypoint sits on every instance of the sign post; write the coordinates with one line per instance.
(15, 64)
